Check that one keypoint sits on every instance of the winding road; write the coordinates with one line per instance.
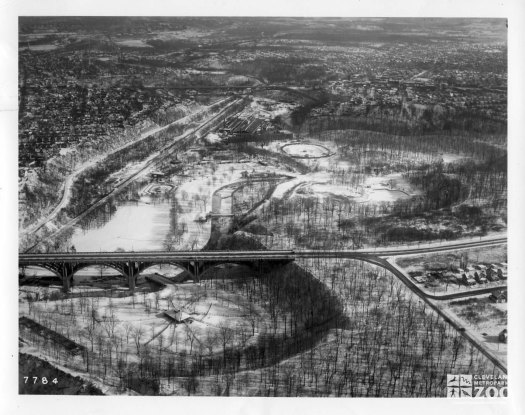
(161, 154)
(70, 179)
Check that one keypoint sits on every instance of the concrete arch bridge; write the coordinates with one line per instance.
(131, 264)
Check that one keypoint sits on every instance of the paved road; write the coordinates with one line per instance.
(151, 256)
(70, 179)
(457, 326)
(375, 257)
(404, 250)
(162, 153)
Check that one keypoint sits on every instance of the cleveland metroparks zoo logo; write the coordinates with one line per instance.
(468, 386)
(459, 386)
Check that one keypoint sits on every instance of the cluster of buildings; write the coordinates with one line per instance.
(61, 104)
(95, 87)
(482, 274)
(356, 96)
(472, 275)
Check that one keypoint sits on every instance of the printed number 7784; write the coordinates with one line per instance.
(43, 380)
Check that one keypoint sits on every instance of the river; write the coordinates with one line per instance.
(135, 226)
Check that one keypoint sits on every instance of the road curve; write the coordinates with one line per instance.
(426, 298)
(373, 257)
(70, 179)
(163, 152)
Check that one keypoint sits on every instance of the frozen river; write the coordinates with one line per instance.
(135, 226)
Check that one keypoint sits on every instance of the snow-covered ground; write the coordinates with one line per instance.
(194, 197)
(134, 43)
(209, 310)
(70, 179)
(492, 320)
(376, 189)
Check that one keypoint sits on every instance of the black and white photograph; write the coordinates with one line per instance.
(263, 205)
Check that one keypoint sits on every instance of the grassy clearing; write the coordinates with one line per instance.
(479, 311)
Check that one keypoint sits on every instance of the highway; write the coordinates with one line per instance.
(376, 257)
(404, 250)
(152, 256)
(155, 256)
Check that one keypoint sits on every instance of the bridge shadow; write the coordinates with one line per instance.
(311, 310)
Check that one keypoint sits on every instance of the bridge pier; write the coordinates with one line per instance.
(66, 284)
(131, 277)
(66, 270)
(130, 265)
(195, 268)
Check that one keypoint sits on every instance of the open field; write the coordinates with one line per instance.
(484, 319)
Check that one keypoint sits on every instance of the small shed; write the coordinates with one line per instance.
(178, 316)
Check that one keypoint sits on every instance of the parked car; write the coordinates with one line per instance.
(498, 296)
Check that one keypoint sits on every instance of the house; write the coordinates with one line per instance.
(492, 275)
(501, 274)
(498, 296)
(467, 279)
(482, 267)
(503, 336)
(480, 277)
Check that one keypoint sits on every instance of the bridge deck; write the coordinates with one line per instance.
(239, 256)
(152, 256)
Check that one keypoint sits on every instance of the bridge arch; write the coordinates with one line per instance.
(252, 265)
(45, 267)
(144, 266)
(80, 267)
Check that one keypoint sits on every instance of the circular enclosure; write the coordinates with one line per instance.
(305, 151)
